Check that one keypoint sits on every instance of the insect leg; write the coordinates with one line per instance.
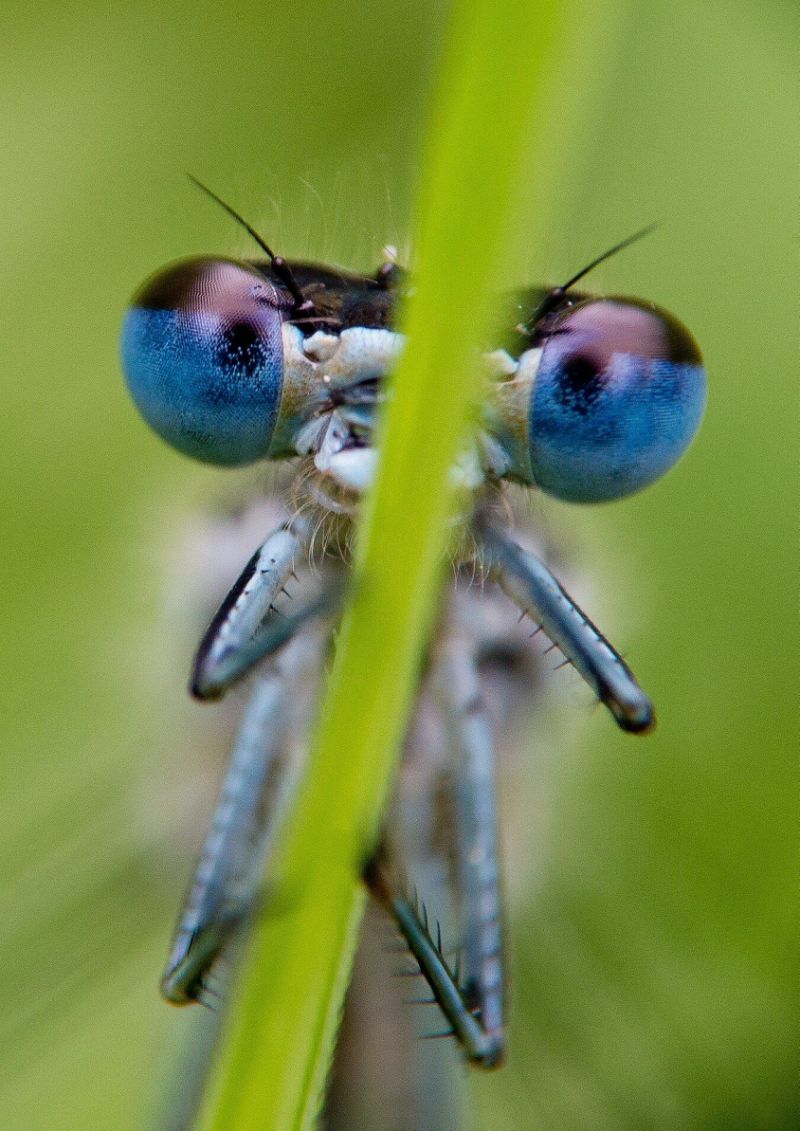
(479, 1046)
(256, 792)
(471, 738)
(245, 608)
(274, 634)
(531, 585)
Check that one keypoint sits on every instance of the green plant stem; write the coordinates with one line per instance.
(498, 67)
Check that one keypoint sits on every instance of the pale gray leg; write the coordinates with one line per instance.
(531, 585)
(221, 657)
(471, 738)
(256, 793)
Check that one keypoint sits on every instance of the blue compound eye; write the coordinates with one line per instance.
(618, 395)
(202, 354)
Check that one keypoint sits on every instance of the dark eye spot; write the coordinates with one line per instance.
(580, 383)
(241, 350)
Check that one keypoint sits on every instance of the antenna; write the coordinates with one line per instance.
(607, 255)
(553, 297)
(302, 305)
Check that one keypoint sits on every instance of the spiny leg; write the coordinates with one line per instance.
(471, 738)
(210, 914)
(219, 660)
(411, 921)
(470, 993)
(272, 635)
(244, 825)
(386, 1073)
(531, 585)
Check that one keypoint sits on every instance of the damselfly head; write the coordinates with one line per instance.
(235, 361)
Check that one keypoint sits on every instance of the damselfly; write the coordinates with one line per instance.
(585, 398)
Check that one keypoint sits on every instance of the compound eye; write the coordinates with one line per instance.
(618, 395)
(202, 354)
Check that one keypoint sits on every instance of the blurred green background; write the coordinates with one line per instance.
(653, 924)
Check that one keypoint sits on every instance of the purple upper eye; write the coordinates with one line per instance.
(202, 353)
(617, 397)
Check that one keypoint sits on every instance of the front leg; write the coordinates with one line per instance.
(534, 589)
(218, 661)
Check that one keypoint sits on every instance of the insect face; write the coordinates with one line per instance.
(606, 396)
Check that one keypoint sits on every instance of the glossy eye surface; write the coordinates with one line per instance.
(203, 358)
(618, 395)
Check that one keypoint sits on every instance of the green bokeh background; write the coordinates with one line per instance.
(652, 969)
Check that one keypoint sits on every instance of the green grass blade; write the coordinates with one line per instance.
(499, 65)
